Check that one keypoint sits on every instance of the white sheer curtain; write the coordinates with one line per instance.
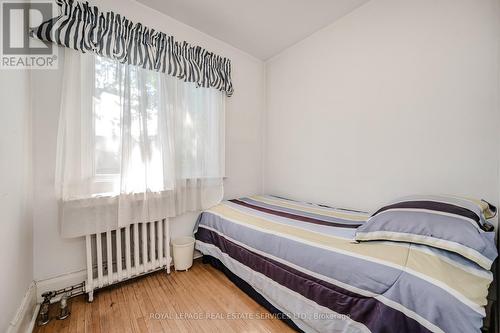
(134, 145)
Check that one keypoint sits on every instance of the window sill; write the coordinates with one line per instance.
(107, 198)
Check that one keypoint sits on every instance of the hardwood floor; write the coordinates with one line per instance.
(200, 300)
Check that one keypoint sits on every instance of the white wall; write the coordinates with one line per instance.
(398, 97)
(16, 237)
(54, 255)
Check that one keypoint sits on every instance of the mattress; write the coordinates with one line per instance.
(302, 259)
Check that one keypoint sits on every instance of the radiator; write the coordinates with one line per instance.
(125, 253)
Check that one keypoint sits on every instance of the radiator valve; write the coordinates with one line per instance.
(43, 317)
(63, 304)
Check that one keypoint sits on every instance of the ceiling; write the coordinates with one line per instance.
(262, 28)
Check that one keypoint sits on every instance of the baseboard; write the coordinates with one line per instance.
(32, 323)
(59, 282)
(24, 314)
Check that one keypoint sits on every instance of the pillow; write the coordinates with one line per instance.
(489, 211)
(451, 223)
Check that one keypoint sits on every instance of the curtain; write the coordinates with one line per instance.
(85, 28)
(134, 145)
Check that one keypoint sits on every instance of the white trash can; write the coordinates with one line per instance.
(183, 248)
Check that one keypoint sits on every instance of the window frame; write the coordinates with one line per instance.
(104, 184)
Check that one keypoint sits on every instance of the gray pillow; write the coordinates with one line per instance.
(450, 223)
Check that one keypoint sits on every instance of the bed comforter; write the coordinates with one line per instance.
(302, 258)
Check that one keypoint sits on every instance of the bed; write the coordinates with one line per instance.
(300, 259)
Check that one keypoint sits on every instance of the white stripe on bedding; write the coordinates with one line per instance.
(409, 313)
(459, 296)
(303, 241)
(291, 301)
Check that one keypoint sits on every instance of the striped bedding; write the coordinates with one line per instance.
(302, 258)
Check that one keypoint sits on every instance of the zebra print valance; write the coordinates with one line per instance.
(84, 28)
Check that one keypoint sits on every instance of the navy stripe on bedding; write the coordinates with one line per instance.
(250, 291)
(435, 206)
(294, 216)
(366, 310)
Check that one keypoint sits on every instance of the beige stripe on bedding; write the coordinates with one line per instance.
(426, 265)
(306, 208)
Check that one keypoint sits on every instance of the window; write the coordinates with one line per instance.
(134, 145)
(106, 119)
(147, 130)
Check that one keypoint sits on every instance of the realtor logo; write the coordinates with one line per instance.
(19, 50)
